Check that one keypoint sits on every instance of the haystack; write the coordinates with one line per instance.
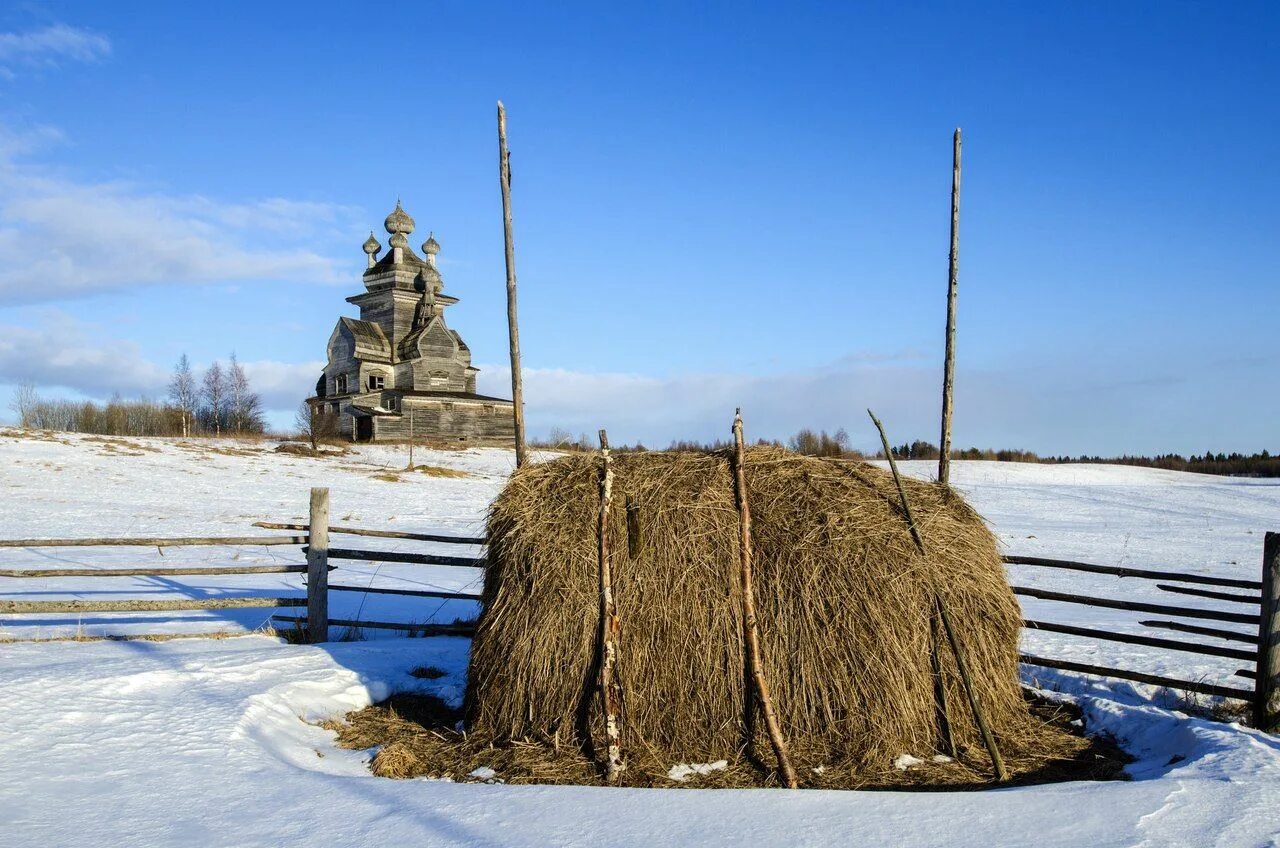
(845, 604)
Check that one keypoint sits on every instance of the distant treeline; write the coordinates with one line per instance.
(821, 443)
(221, 402)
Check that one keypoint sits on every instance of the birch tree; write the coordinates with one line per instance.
(182, 392)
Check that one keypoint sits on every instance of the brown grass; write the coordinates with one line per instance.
(439, 471)
(844, 602)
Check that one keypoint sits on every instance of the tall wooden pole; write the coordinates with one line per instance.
(1266, 703)
(513, 329)
(940, 607)
(610, 689)
(953, 272)
(758, 690)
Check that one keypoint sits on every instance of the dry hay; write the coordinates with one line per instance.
(844, 602)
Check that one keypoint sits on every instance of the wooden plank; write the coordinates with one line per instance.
(177, 605)
(419, 629)
(413, 593)
(1266, 696)
(1134, 639)
(1137, 606)
(151, 542)
(152, 572)
(610, 687)
(394, 556)
(1215, 632)
(1255, 600)
(1142, 573)
(380, 534)
(1140, 677)
(318, 568)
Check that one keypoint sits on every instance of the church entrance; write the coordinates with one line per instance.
(364, 428)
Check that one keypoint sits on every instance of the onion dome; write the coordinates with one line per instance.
(398, 223)
(371, 245)
(431, 247)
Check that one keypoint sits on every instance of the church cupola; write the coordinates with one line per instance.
(430, 248)
(399, 225)
(372, 247)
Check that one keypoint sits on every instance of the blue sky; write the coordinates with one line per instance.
(716, 205)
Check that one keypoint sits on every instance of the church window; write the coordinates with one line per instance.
(439, 378)
(341, 384)
(376, 382)
(392, 403)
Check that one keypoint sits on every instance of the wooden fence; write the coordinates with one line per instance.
(1258, 601)
(1258, 607)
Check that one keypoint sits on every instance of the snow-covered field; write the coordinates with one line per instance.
(199, 742)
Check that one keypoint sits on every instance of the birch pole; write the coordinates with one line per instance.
(757, 689)
(953, 273)
(610, 689)
(940, 607)
(513, 329)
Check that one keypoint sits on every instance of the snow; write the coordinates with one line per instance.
(214, 742)
(684, 771)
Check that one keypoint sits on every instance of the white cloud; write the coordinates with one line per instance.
(50, 46)
(61, 237)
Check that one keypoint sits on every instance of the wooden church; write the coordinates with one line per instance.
(399, 372)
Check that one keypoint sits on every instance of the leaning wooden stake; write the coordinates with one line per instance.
(940, 692)
(949, 360)
(962, 664)
(610, 689)
(750, 637)
(513, 329)
(1266, 702)
(318, 567)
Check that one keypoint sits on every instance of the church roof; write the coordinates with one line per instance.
(371, 342)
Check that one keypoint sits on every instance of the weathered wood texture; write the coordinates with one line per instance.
(949, 357)
(1136, 606)
(153, 572)
(398, 556)
(1143, 573)
(757, 689)
(412, 593)
(610, 687)
(412, 629)
(1266, 701)
(1135, 639)
(153, 542)
(381, 534)
(30, 607)
(318, 568)
(1140, 677)
(509, 253)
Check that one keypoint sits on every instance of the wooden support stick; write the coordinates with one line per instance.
(940, 692)
(949, 360)
(750, 636)
(318, 568)
(513, 330)
(962, 664)
(1266, 701)
(610, 689)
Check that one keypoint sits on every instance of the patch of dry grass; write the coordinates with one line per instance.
(439, 471)
(388, 477)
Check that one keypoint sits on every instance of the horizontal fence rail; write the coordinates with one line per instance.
(419, 629)
(1207, 593)
(413, 593)
(1135, 606)
(1149, 641)
(1140, 677)
(397, 556)
(177, 605)
(1229, 635)
(379, 534)
(150, 542)
(153, 572)
(1145, 574)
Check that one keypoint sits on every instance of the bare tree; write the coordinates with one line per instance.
(215, 398)
(244, 404)
(182, 393)
(25, 401)
(314, 424)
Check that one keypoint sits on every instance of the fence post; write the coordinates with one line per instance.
(318, 567)
(1266, 710)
